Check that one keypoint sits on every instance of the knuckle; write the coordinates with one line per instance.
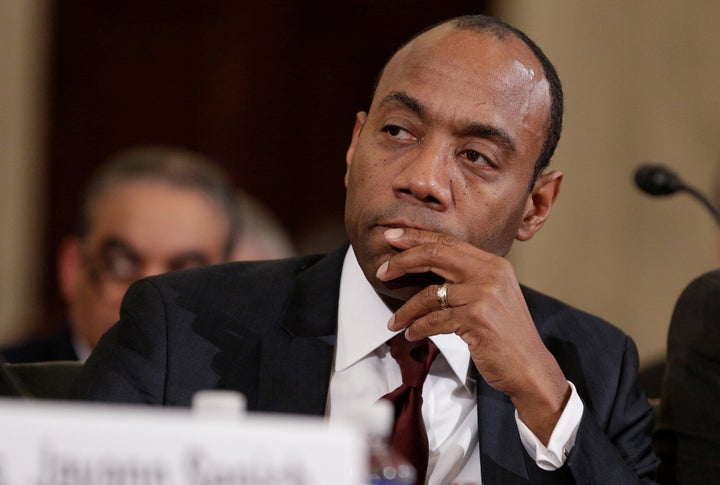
(432, 251)
(505, 268)
(430, 293)
(477, 312)
(494, 290)
(447, 240)
(473, 341)
(433, 319)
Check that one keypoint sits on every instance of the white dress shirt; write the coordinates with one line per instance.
(449, 399)
(82, 350)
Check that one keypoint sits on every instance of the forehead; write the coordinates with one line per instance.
(470, 76)
(157, 215)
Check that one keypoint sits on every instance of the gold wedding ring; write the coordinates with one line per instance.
(442, 297)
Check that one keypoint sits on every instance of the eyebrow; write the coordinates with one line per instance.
(406, 100)
(116, 243)
(480, 130)
(113, 243)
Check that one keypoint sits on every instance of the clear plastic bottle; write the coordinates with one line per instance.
(386, 465)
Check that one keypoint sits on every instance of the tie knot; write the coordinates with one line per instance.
(414, 359)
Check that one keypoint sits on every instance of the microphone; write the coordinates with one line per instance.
(657, 180)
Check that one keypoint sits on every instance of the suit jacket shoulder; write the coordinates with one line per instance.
(688, 431)
(216, 327)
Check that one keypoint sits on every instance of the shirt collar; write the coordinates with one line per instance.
(82, 350)
(362, 324)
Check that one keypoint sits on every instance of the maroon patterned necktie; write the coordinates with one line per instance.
(409, 436)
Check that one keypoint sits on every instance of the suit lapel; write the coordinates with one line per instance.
(501, 451)
(297, 358)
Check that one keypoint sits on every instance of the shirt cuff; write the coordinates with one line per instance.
(562, 438)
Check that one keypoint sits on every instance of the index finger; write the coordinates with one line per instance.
(407, 237)
(427, 251)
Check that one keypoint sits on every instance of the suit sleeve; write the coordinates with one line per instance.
(615, 446)
(129, 363)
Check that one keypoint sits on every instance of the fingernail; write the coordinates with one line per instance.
(394, 233)
(391, 322)
(382, 269)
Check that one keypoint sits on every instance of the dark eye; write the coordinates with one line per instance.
(392, 130)
(121, 266)
(476, 158)
(473, 156)
(397, 133)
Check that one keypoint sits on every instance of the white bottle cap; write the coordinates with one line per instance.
(218, 404)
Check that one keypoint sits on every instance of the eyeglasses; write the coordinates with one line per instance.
(117, 264)
(113, 268)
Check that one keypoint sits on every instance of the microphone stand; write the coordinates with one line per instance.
(659, 181)
(705, 201)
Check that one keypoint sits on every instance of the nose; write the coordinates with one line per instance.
(425, 177)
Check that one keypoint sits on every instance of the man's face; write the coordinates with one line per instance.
(449, 145)
(137, 229)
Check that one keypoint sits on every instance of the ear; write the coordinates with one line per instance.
(70, 267)
(539, 204)
(360, 118)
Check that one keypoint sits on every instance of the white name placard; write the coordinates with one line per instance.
(51, 443)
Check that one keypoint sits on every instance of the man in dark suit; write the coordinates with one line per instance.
(146, 210)
(444, 171)
(688, 434)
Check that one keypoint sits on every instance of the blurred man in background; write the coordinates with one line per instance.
(687, 436)
(147, 210)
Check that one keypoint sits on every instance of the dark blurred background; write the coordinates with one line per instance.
(268, 89)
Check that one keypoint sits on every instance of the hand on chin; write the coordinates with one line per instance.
(397, 291)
